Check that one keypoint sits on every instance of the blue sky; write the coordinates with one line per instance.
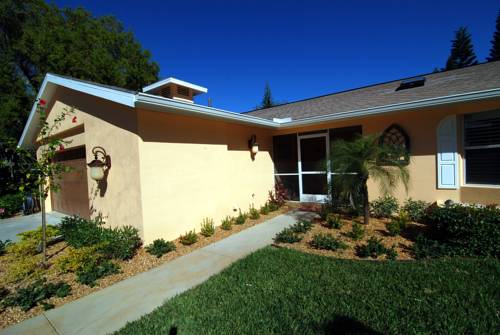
(302, 48)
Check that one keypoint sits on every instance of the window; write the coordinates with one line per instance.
(482, 148)
(395, 136)
(286, 163)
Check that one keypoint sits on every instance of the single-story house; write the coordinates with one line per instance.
(172, 162)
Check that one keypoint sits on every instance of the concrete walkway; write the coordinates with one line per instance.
(9, 228)
(110, 309)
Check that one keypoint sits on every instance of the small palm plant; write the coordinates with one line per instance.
(365, 157)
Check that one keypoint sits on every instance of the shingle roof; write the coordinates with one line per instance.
(470, 79)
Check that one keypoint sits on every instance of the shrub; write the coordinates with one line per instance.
(391, 253)
(287, 235)
(393, 228)
(23, 267)
(373, 248)
(415, 209)
(30, 240)
(277, 198)
(333, 221)
(426, 248)
(36, 294)
(384, 207)
(120, 243)
(189, 238)
(324, 211)
(302, 226)
(95, 269)
(398, 223)
(207, 227)
(10, 204)
(3, 246)
(160, 247)
(79, 232)
(357, 232)
(466, 230)
(264, 210)
(327, 242)
(227, 223)
(241, 218)
(77, 257)
(253, 213)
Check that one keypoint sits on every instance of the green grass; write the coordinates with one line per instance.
(283, 291)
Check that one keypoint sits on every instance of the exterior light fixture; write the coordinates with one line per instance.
(253, 145)
(98, 166)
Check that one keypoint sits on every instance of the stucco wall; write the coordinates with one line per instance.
(193, 168)
(113, 127)
(421, 127)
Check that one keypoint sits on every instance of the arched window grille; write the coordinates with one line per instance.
(395, 136)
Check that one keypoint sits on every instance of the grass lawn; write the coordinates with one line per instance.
(288, 292)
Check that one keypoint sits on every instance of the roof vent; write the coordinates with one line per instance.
(411, 83)
(175, 89)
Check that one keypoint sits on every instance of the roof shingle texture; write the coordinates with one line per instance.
(474, 78)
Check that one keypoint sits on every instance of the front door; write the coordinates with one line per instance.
(313, 176)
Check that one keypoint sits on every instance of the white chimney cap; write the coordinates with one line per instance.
(165, 82)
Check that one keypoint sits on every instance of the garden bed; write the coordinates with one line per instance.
(376, 228)
(141, 262)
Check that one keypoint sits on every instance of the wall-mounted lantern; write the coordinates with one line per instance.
(253, 145)
(98, 166)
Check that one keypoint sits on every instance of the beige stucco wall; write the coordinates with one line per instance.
(192, 168)
(421, 127)
(114, 127)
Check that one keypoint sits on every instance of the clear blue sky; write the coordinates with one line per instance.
(302, 48)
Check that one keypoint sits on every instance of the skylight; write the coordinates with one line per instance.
(411, 83)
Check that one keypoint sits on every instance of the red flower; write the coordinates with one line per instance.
(74, 119)
(42, 102)
(61, 147)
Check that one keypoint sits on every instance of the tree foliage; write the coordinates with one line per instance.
(462, 52)
(495, 42)
(267, 99)
(356, 161)
(37, 38)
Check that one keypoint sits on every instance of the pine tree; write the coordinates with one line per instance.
(267, 100)
(495, 43)
(462, 52)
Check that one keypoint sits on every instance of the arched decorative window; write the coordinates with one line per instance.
(396, 137)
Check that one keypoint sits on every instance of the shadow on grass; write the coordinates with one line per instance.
(344, 325)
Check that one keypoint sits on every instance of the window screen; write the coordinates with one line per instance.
(285, 154)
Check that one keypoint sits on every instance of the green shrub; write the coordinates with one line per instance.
(272, 206)
(95, 269)
(357, 232)
(393, 228)
(189, 238)
(302, 226)
(36, 294)
(398, 223)
(415, 209)
(373, 248)
(264, 210)
(253, 213)
(207, 227)
(30, 240)
(426, 248)
(160, 247)
(466, 230)
(241, 218)
(327, 242)
(325, 210)
(287, 235)
(227, 223)
(384, 206)
(76, 258)
(118, 243)
(10, 204)
(4, 245)
(391, 253)
(333, 221)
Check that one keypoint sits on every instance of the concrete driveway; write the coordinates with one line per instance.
(9, 228)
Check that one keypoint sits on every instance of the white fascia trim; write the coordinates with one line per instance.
(117, 96)
(176, 81)
(464, 97)
(166, 104)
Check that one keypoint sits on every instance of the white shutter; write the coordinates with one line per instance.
(447, 157)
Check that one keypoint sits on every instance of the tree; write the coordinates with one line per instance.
(37, 38)
(267, 100)
(495, 42)
(41, 172)
(356, 161)
(462, 52)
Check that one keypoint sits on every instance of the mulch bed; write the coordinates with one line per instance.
(376, 227)
(141, 262)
